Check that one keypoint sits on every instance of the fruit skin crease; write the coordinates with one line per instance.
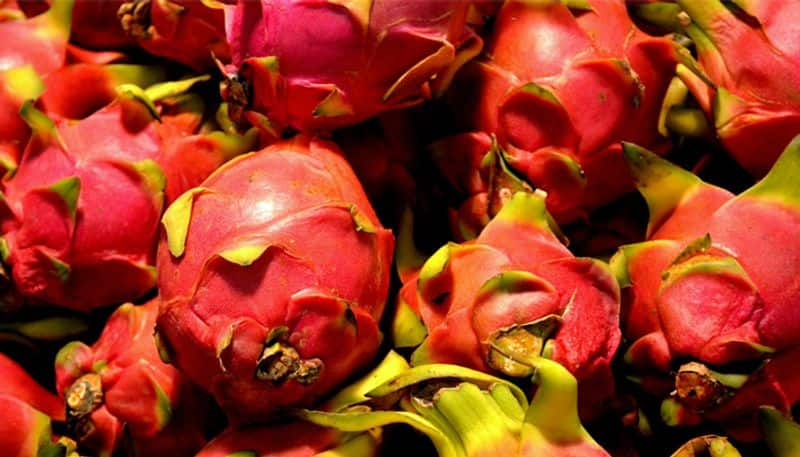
(119, 386)
(254, 284)
(515, 280)
(716, 283)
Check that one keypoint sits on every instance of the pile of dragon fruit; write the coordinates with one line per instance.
(355, 228)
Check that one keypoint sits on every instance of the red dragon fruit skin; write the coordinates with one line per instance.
(321, 65)
(40, 41)
(256, 284)
(25, 431)
(17, 85)
(756, 114)
(66, 96)
(120, 382)
(707, 290)
(560, 88)
(19, 384)
(73, 240)
(517, 286)
(191, 32)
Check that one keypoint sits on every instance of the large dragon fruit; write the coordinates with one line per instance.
(515, 288)
(712, 294)
(80, 224)
(559, 85)
(749, 82)
(273, 275)
(322, 65)
(119, 384)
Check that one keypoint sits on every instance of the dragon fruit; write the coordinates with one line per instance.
(26, 432)
(40, 41)
(27, 409)
(255, 286)
(329, 64)
(749, 74)
(18, 383)
(516, 287)
(467, 413)
(559, 85)
(119, 383)
(191, 32)
(81, 219)
(712, 293)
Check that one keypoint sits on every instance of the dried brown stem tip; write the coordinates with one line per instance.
(134, 16)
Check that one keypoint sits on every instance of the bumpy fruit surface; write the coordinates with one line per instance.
(30, 48)
(120, 385)
(559, 85)
(516, 289)
(80, 224)
(273, 275)
(750, 75)
(322, 65)
(713, 292)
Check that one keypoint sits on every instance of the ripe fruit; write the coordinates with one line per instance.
(274, 257)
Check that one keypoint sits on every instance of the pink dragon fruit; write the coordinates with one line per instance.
(81, 219)
(559, 85)
(711, 295)
(272, 258)
(515, 288)
(26, 431)
(26, 410)
(120, 383)
(329, 64)
(749, 59)
(19, 384)
(40, 41)
(191, 32)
